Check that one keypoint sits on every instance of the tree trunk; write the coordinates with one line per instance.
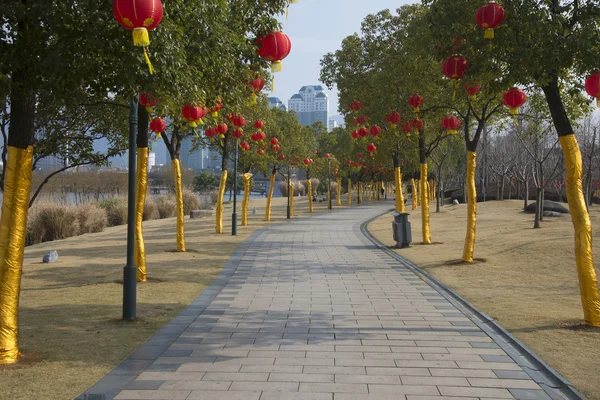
(584, 256)
(246, 199)
(179, 202)
(502, 183)
(220, 198)
(538, 208)
(270, 196)
(526, 198)
(423, 191)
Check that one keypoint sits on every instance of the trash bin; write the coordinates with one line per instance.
(401, 230)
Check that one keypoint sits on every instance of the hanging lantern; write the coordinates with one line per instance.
(210, 133)
(417, 124)
(327, 156)
(239, 122)
(371, 149)
(513, 99)
(274, 48)
(276, 148)
(306, 162)
(262, 135)
(355, 135)
(255, 137)
(281, 157)
(274, 141)
(355, 106)
(393, 119)
(158, 126)
(361, 120)
(455, 67)
(416, 102)
(259, 125)
(451, 124)
(256, 86)
(222, 129)
(260, 152)
(375, 131)
(407, 128)
(148, 101)
(192, 114)
(489, 16)
(360, 156)
(245, 146)
(592, 86)
(214, 110)
(472, 89)
(237, 133)
(139, 16)
(363, 132)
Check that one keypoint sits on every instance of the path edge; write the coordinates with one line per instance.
(554, 384)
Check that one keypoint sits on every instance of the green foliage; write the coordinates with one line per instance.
(205, 181)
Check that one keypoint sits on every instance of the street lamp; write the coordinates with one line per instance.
(328, 157)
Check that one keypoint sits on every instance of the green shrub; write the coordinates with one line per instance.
(166, 206)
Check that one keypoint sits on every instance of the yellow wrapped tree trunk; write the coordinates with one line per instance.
(399, 195)
(291, 199)
(360, 193)
(349, 192)
(310, 196)
(469, 248)
(13, 228)
(179, 202)
(140, 196)
(270, 198)
(415, 201)
(220, 198)
(425, 205)
(371, 191)
(339, 191)
(584, 257)
(246, 199)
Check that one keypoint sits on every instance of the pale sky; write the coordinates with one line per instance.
(315, 28)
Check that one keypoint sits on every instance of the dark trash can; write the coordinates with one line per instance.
(401, 230)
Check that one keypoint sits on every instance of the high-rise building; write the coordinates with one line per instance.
(151, 161)
(332, 124)
(275, 102)
(311, 105)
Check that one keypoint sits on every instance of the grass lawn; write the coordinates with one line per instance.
(71, 310)
(527, 280)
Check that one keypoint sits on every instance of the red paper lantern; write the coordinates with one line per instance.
(239, 121)
(274, 141)
(158, 126)
(417, 124)
(363, 132)
(281, 157)
(245, 146)
(361, 120)
(393, 119)
(276, 148)
(592, 86)
(238, 133)
(472, 89)
(222, 129)
(210, 133)
(262, 135)
(255, 137)
(327, 156)
(455, 67)
(214, 110)
(139, 16)
(260, 152)
(355, 135)
(416, 102)
(259, 124)
(371, 149)
(451, 124)
(307, 161)
(489, 16)
(192, 114)
(355, 106)
(257, 85)
(407, 128)
(513, 99)
(274, 48)
(360, 156)
(148, 101)
(375, 131)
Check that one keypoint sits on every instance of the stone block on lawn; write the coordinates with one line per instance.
(548, 206)
(50, 257)
(552, 214)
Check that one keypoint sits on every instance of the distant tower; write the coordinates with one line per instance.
(311, 104)
(275, 102)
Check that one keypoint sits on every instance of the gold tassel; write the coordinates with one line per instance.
(276, 66)
(141, 37)
(287, 13)
(488, 34)
(150, 67)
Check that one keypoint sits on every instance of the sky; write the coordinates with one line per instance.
(315, 28)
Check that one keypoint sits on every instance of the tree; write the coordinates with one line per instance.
(205, 181)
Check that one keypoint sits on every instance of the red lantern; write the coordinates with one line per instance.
(260, 152)
(192, 114)
(307, 161)
(255, 137)
(488, 17)
(407, 128)
(363, 132)
(257, 85)
(513, 99)
(472, 89)
(336, 171)
(417, 124)
(327, 156)
(274, 141)
(371, 149)
(239, 121)
(222, 129)
(245, 146)
(238, 133)
(416, 102)
(592, 86)
(139, 16)
(455, 67)
(355, 106)
(451, 124)
(274, 48)
(262, 135)
(375, 130)
(349, 162)
(216, 108)
(360, 156)
(158, 126)
(259, 124)
(355, 135)
(281, 157)
(393, 119)
(276, 148)
(210, 133)
(361, 120)
(148, 101)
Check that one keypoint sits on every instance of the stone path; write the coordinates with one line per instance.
(312, 310)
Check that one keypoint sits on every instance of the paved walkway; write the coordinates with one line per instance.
(312, 310)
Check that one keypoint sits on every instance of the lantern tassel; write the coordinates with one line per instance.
(287, 13)
(150, 67)
(215, 114)
(488, 34)
(141, 37)
(276, 66)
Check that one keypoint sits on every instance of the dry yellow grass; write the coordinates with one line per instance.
(71, 310)
(528, 282)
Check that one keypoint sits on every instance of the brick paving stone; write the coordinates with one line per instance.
(312, 310)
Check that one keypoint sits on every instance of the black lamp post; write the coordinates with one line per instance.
(130, 270)
(234, 214)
